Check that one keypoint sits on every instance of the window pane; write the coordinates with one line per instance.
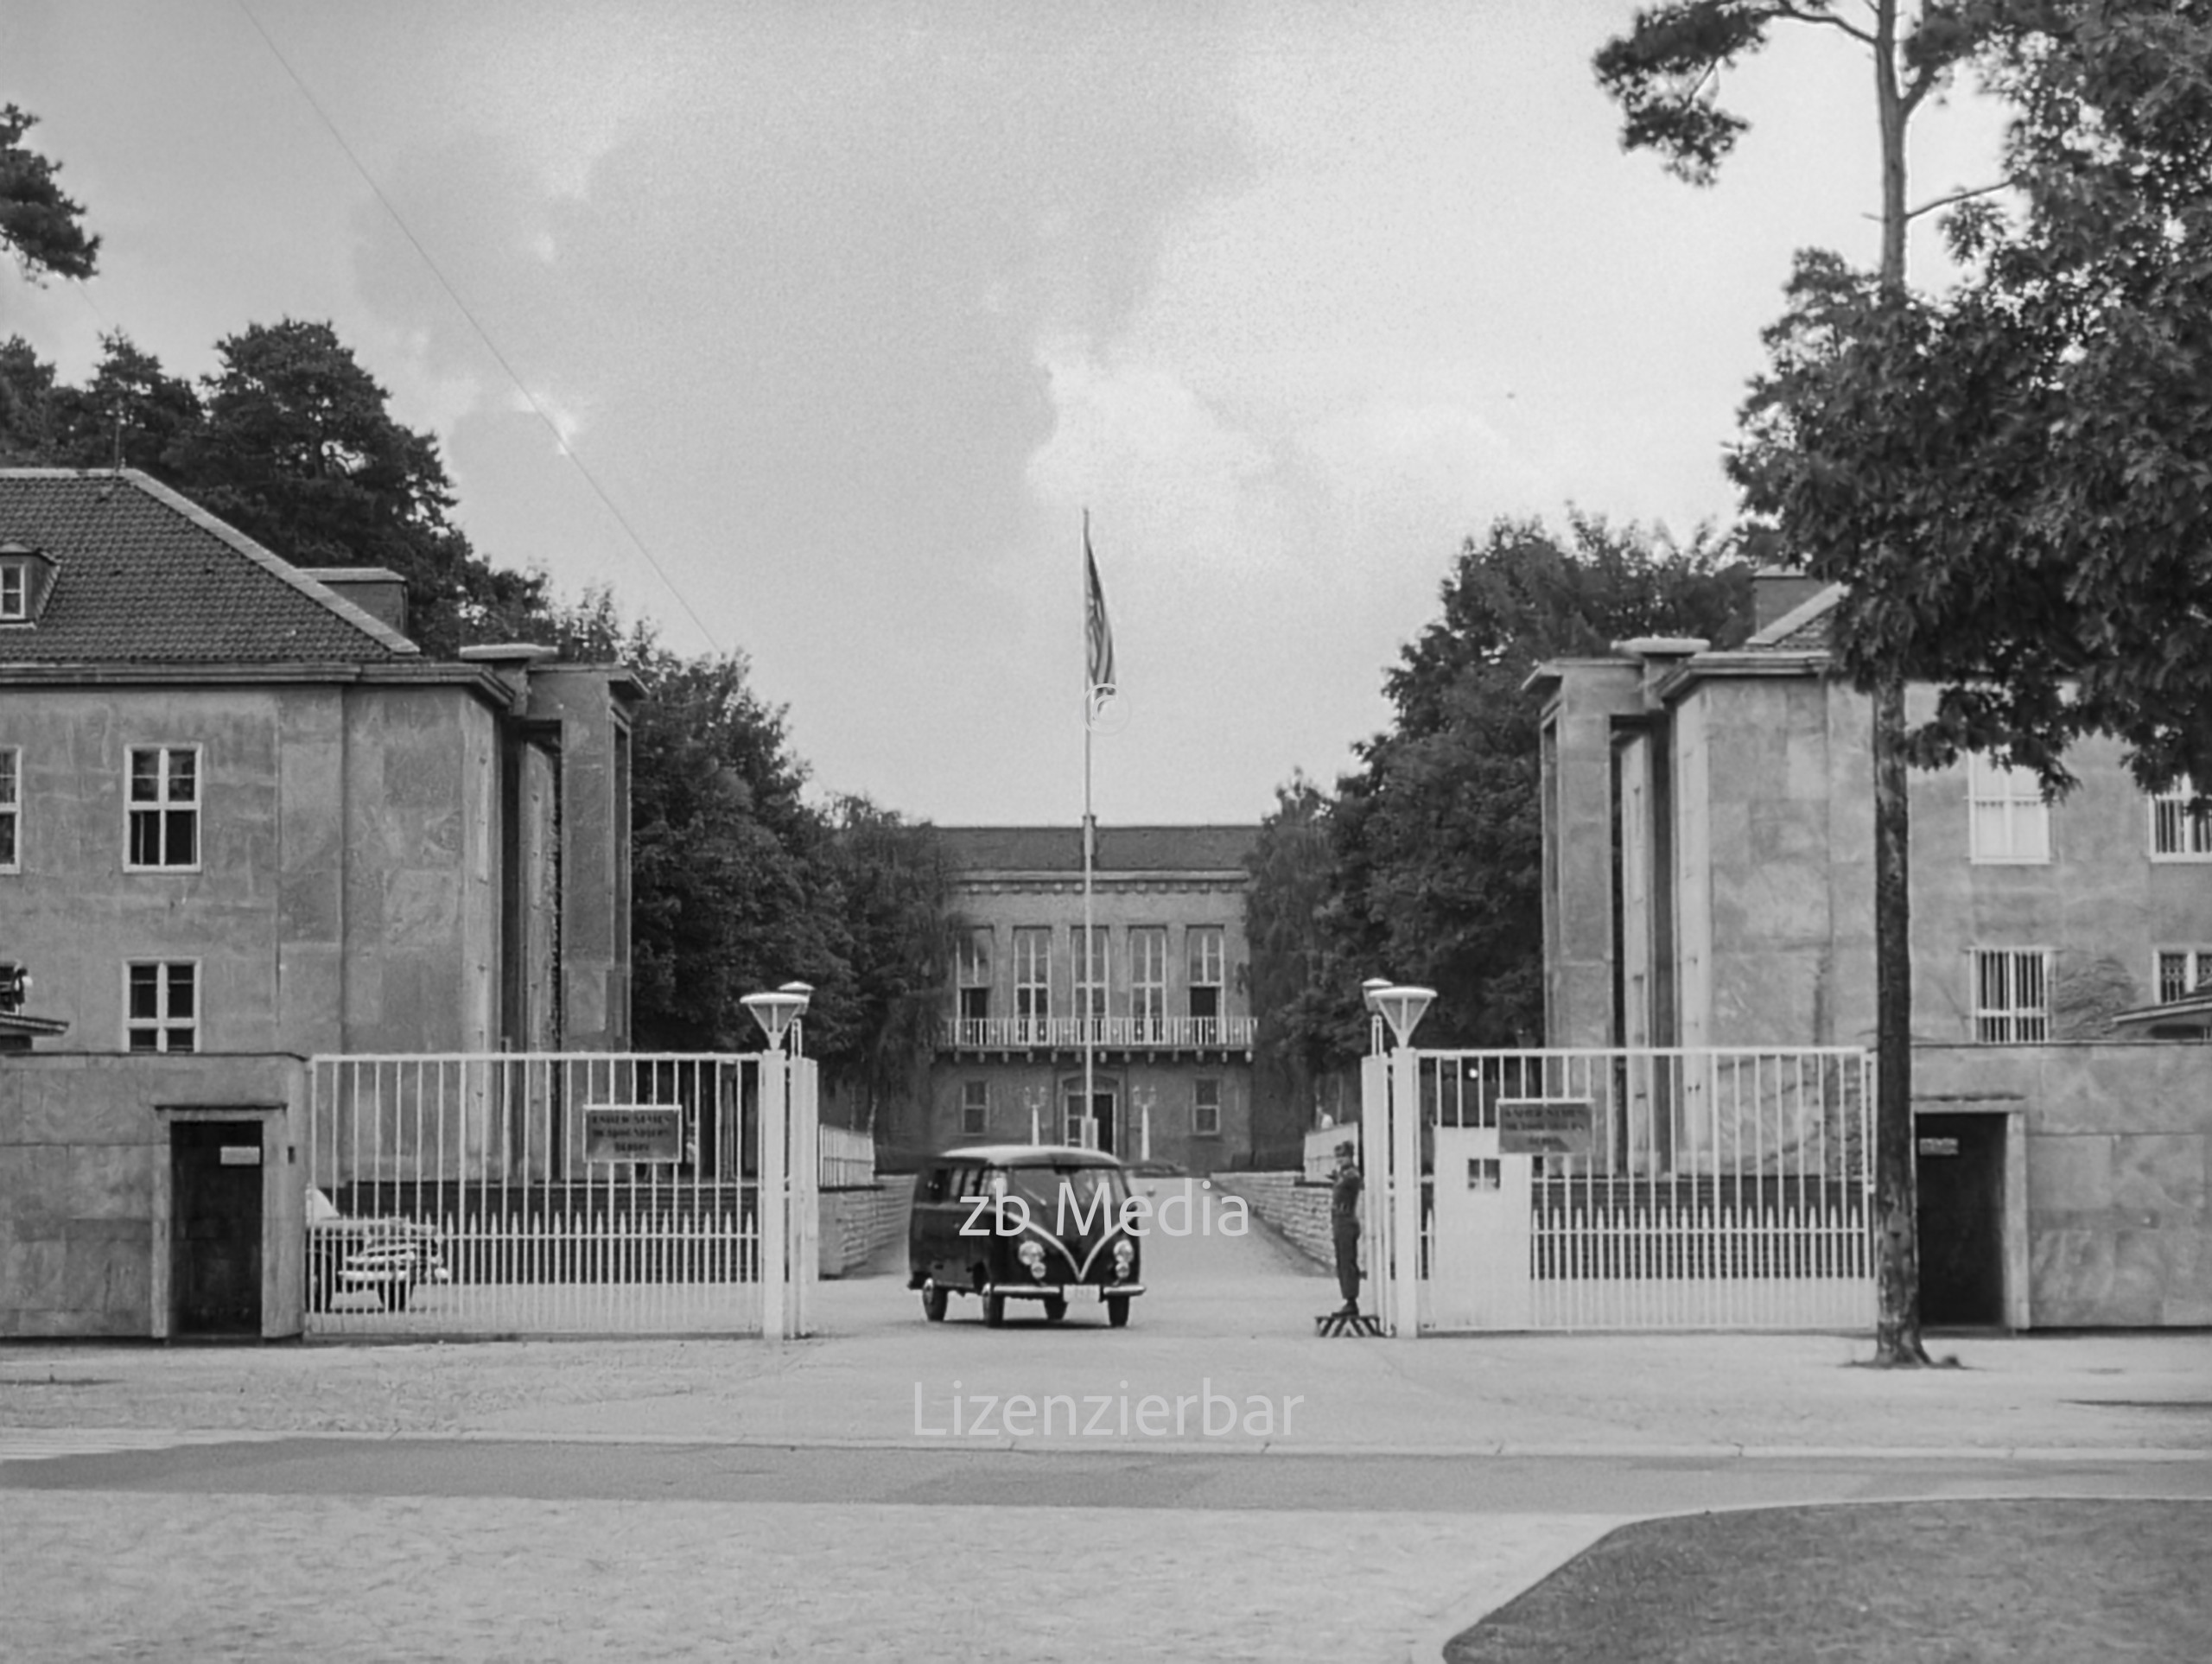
(145, 839)
(145, 1039)
(180, 990)
(145, 991)
(7, 840)
(183, 827)
(7, 776)
(145, 776)
(183, 767)
(181, 1040)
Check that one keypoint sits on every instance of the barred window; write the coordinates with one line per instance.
(2178, 832)
(2182, 971)
(2012, 1006)
(162, 1006)
(164, 807)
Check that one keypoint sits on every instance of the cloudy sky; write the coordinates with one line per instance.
(851, 309)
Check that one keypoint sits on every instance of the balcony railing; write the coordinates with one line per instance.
(1118, 1033)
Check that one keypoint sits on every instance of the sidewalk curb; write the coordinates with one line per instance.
(1502, 1452)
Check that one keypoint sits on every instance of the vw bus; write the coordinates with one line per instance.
(1022, 1222)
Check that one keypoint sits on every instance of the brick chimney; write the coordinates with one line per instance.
(377, 590)
(1778, 589)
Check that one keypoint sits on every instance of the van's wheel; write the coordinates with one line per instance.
(1117, 1312)
(1055, 1310)
(994, 1311)
(933, 1301)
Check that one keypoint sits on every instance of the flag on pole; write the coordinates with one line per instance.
(1098, 634)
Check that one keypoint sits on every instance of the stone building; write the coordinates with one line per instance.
(1161, 996)
(243, 822)
(1709, 880)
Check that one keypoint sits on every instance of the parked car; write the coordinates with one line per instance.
(386, 1258)
(1022, 1222)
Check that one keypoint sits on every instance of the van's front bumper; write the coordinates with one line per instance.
(1028, 1291)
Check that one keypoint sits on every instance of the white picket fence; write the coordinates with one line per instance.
(1715, 1188)
(537, 1193)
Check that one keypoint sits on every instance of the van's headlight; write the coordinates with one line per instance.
(1031, 1254)
(1125, 1255)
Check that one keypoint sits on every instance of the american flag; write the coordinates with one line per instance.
(1098, 635)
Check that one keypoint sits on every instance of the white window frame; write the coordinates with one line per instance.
(2020, 1012)
(2170, 816)
(162, 806)
(1033, 976)
(2197, 966)
(974, 1108)
(974, 955)
(164, 1026)
(14, 592)
(1202, 1124)
(2012, 798)
(1148, 979)
(1094, 971)
(11, 808)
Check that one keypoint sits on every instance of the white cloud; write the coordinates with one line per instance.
(1139, 448)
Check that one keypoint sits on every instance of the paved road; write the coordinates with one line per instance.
(726, 1499)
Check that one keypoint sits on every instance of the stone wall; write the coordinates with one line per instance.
(85, 1185)
(2119, 1193)
(858, 1225)
(1297, 1209)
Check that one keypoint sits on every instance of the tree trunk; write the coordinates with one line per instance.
(1896, 1323)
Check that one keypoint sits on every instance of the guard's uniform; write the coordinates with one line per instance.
(1344, 1225)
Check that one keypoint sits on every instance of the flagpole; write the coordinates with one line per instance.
(1090, 941)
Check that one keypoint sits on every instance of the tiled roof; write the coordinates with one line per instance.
(1120, 849)
(144, 576)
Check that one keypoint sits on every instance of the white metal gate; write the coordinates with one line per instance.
(1663, 1187)
(557, 1193)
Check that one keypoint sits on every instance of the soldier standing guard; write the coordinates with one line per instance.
(1344, 1224)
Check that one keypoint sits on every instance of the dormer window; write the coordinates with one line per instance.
(24, 572)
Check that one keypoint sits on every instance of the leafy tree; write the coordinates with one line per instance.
(27, 390)
(2048, 428)
(737, 883)
(891, 882)
(298, 450)
(131, 412)
(1296, 971)
(1435, 854)
(42, 228)
(1662, 73)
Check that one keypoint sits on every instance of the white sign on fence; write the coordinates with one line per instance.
(630, 1132)
(1543, 1127)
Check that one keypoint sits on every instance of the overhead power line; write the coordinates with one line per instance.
(482, 334)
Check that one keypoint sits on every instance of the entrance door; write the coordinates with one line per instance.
(1962, 1214)
(215, 1228)
(1479, 1278)
(1102, 1111)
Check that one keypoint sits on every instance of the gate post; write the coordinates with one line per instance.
(1375, 1161)
(1405, 1192)
(1390, 1128)
(771, 1231)
(801, 1084)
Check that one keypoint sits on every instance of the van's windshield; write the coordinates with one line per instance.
(1057, 1196)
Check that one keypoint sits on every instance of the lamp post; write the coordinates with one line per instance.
(1390, 1130)
(778, 1014)
(1033, 1100)
(1146, 1097)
